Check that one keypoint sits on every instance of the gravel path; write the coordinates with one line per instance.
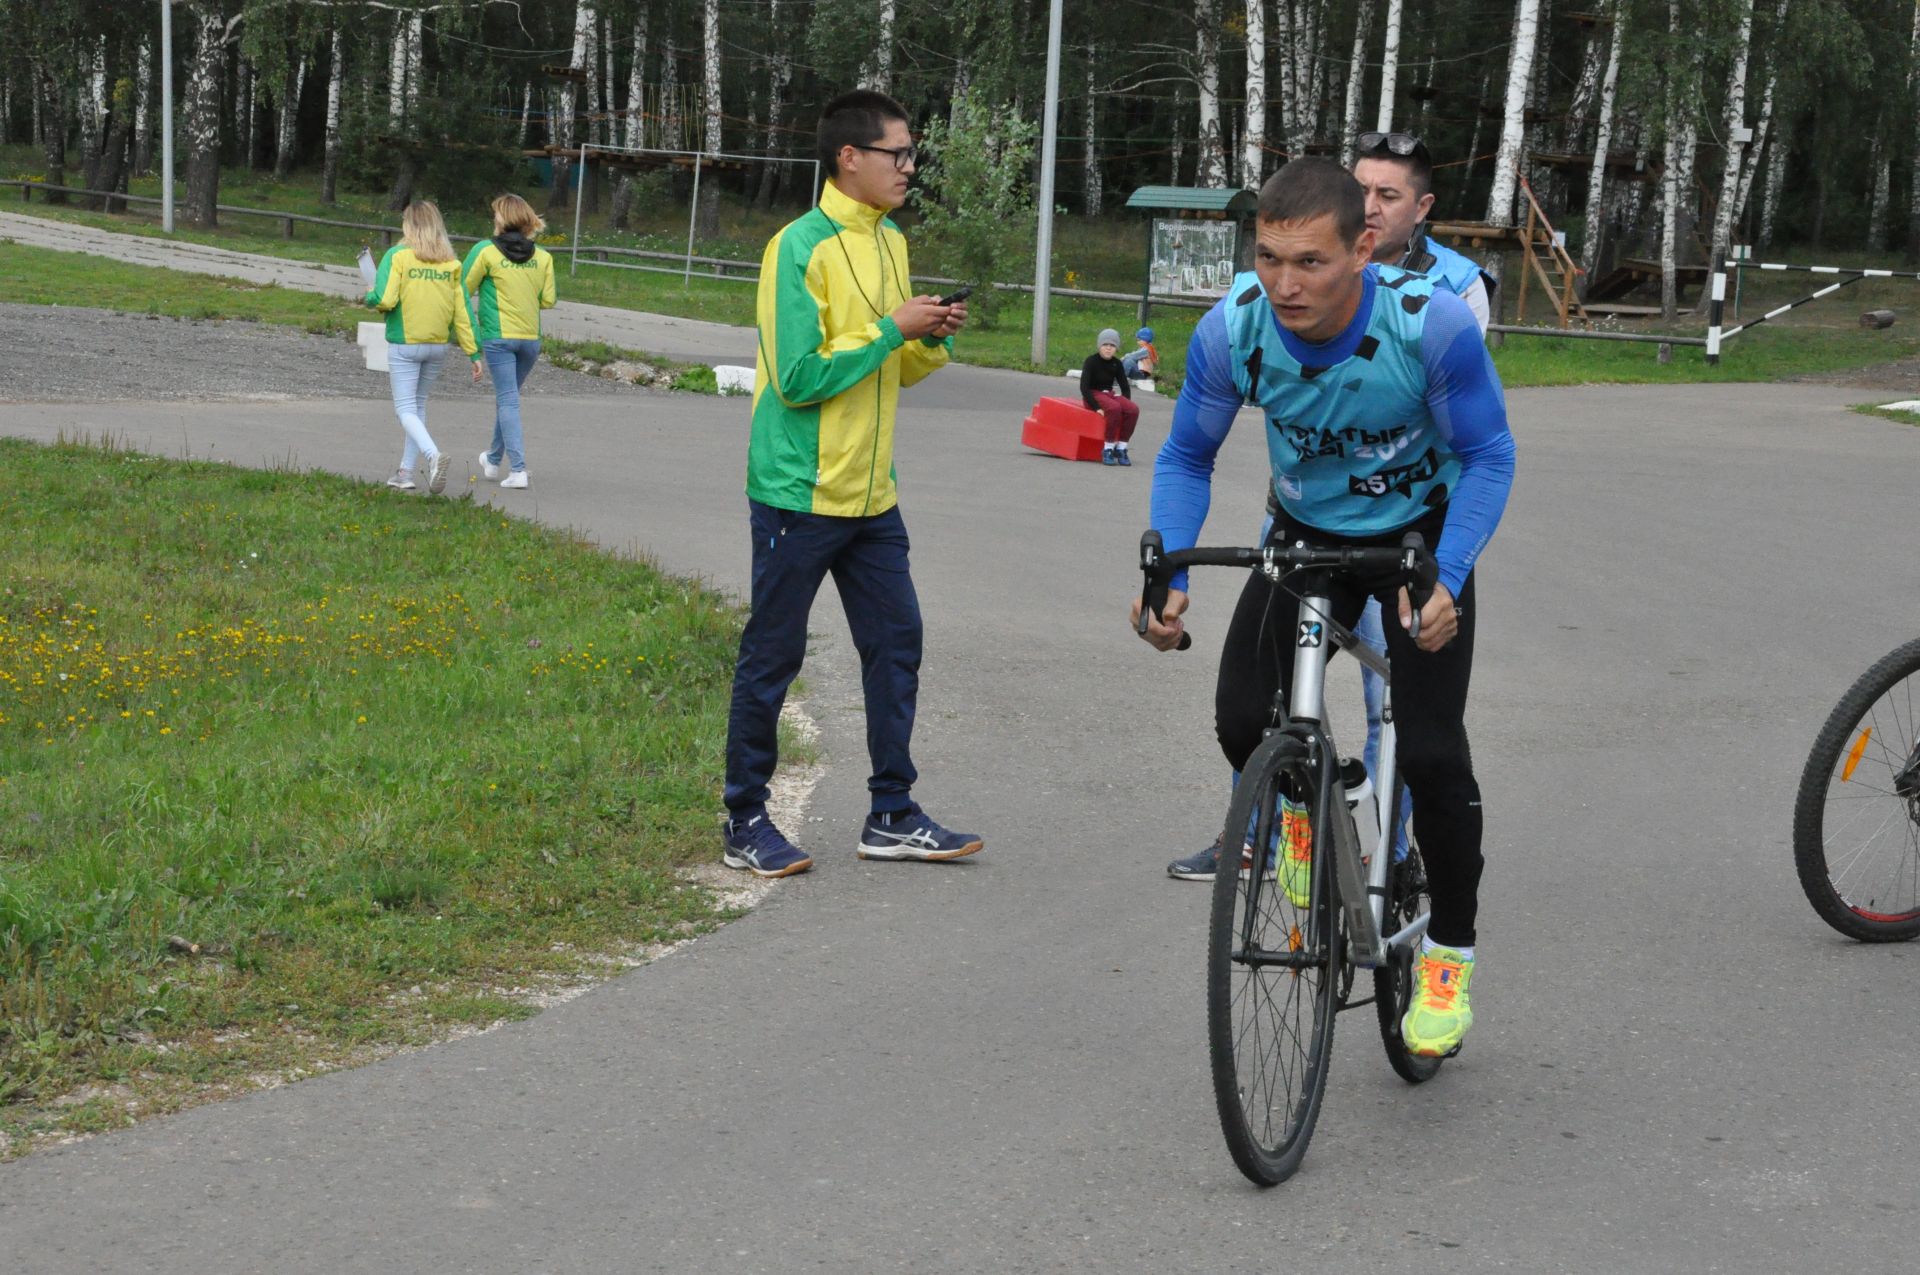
(101, 355)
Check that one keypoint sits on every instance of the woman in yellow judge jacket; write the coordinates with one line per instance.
(513, 279)
(418, 288)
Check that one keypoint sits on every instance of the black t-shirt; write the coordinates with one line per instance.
(1098, 375)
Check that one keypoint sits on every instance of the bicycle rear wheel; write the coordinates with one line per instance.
(1393, 982)
(1856, 820)
(1272, 972)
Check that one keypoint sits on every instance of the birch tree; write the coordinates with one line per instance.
(709, 210)
(1506, 161)
(585, 22)
(200, 125)
(1596, 218)
(1092, 188)
(883, 51)
(1253, 130)
(336, 86)
(1211, 170)
(1389, 68)
(1736, 118)
(1356, 81)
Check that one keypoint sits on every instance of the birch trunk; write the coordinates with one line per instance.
(708, 221)
(336, 85)
(286, 143)
(1316, 69)
(51, 116)
(1574, 136)
(883, 56)
(1426, 98)
(1356, 81)
(1763, 128)
(1253, 130)
(1882, 165)
(526, 113)
(633, 135)
(1776, 178)
(605, 133)
(1736, 118)
(201, 123)
(1093, 189)
(1479, 126)
(142, 109)
(1519, 78)
(1670, 173)
(1177, 151)
(1211, 169)
(1913, 157)
(397, 73)
(1389, 69)
(243, 110)
(1283, 36)
(672, 125)
(779, 76)
(1596, 219)
(585, 17)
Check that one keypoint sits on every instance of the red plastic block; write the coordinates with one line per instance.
(1064, 427)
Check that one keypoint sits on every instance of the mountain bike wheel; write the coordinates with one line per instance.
(1856, 821)
(1272, 972)
(1393, 982)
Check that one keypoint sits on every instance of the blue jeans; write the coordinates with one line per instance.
(509, 364)
(793, 553)
(412, 370)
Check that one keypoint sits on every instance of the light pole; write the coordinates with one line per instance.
(166, 115)
(1049, 137)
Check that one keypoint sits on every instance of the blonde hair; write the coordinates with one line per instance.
(422, 230)
(510, 212)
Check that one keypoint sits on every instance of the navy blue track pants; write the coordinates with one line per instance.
(867, 557)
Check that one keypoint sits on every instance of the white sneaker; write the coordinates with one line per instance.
(437, 472)
(518, 478)
(402, 480)
(487, 468)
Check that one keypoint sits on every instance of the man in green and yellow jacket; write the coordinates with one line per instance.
(840, 333)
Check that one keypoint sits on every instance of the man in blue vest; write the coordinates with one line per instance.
(1383, 415)
(1396, 172)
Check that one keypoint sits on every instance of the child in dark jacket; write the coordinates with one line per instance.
(1104, 389)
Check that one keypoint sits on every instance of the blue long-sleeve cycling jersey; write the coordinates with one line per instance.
(1399, 414)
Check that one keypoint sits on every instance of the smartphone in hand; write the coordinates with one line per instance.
(957, 296)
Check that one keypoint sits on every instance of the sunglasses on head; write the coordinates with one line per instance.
(1402, 144)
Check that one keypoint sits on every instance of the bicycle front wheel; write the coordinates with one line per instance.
(1273, 963)
(1856, 821)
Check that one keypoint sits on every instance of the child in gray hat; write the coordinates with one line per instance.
(1104, 389)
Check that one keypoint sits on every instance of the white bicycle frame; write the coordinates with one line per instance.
(1362, 886)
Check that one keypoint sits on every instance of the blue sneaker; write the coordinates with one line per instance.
(1201, 865)
(756, 845)
(914, 835)
(1109, 456)
(1122, 456)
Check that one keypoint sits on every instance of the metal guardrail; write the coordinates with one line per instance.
(1651, 338)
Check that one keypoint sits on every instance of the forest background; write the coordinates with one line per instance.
(1621, 113)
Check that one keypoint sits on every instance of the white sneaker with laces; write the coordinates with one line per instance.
(437, 472)
(488, 469)
(518, 478)
(402, 480)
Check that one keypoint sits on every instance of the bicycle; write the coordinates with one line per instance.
(1278, 970)
(1856, 818)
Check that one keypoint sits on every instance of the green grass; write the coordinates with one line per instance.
(1103, 253)
(295, 769)
(1901, 417)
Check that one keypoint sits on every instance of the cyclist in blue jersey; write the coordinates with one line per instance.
(1383, 415)
(1395, 170)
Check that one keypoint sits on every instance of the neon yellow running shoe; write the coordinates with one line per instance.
(1438, 1019)
(1296, 858)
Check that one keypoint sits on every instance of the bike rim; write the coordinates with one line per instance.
(1870, 819)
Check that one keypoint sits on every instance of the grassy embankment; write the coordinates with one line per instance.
(1098, 253)
(294, 771)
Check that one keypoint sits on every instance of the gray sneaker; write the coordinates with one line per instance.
(437, 472)
(402, 480)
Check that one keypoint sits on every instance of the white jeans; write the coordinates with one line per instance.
(413, 369)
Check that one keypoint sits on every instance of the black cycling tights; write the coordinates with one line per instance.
(1429, 705)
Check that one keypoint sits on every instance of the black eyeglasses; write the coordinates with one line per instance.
(1401, 144)
(902, 155)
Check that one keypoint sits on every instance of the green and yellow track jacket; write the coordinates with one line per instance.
(422, 300)
(832, 361)
(514, 280)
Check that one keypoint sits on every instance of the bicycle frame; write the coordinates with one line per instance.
(1362, 887)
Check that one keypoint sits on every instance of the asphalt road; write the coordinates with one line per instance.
(999, 1065)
